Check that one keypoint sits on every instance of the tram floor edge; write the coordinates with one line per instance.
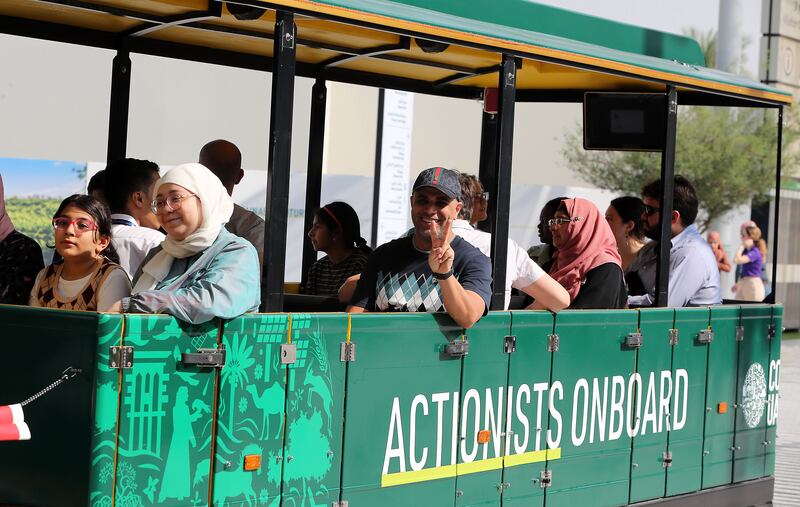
(755, 492)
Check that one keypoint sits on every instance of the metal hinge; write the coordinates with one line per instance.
(120, 357)
(552, 342)
(510, 344)
(739, 333)
(705, 336)
(288, 353)
(772, 331)
(347, 353)
(205, 358)
(287, 35)
(673, 337)
(545, 479)
(633, 340)
(457, 348)
(667, 461)
(343, 503)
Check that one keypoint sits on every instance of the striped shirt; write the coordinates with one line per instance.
(325, 277)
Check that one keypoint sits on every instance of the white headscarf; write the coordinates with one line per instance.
(217, 207)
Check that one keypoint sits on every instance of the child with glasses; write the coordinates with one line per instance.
(200, 271)
(87, 277)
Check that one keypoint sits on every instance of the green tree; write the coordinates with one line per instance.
(727, 153)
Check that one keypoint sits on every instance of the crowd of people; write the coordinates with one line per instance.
(141, 242)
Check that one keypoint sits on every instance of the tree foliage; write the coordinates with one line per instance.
(728, 154)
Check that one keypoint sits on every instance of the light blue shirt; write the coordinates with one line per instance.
(221, 281)
(693, 273)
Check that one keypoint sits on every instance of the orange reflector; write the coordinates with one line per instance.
(483, 436)
(722, 407)
(252, 462)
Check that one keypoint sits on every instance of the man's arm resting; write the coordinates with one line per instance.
(464, 306)
(548, 294)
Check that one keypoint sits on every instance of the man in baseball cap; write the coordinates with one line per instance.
(430, 270)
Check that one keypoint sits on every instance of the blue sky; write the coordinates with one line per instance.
(51, 178)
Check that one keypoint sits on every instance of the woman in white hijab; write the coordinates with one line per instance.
(200, 271)
(20, 260)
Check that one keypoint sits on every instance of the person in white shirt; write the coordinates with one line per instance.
(521, 272)
(128, 189)
(224, 159)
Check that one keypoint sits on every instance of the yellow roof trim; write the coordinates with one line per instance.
(527, 48)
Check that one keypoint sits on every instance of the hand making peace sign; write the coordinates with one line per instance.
(441, 257)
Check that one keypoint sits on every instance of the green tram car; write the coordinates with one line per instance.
(299, 407)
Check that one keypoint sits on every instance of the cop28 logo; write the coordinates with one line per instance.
(754, 395)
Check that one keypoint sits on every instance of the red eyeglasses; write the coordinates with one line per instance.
(81, 225)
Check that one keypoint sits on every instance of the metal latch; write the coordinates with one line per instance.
(667, 461)
(120, 357)
(205, 358)
(772, 331)
(673, 336)
(288, 353)
(633, 340)
(510, 344)
(545, 479)
(705, 336)
(347, 352)
(552, 343)
(457, 348)
(739, 333)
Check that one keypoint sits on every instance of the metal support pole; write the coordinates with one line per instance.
(376, 189)
(501, 191)
(316, 142)
(118, 110)
(487, 166)
(773, 295)
(280, 151)
(667, 190)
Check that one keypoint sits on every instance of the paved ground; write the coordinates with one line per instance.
(787, 463)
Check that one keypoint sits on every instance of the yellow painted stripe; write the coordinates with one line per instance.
(429, 474)
(530, 48)
(479, 466)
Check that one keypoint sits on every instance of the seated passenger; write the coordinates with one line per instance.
(521, 272)
(87, 277)
(479, 203)
(129, 185)
(625, 216)
(96, 186)
(20, 260)
(587, 263)
(431, 270)
(693, 273)
(201, 270)
(715, 242)
(543, 254)
(337, 232)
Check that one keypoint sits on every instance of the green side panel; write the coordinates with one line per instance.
(595, 451)
(485, 374)
(399, 359)
(166, 418)
(720, 388)
(648, 476)
(751, 393)
(106, 406)
(773, 388)
(53, 467)
(250, 411)
(685, 415)
(572, 25)
(529, 374)
(314, 413)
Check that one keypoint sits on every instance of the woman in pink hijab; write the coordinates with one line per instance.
(587, 262)
(20, 260)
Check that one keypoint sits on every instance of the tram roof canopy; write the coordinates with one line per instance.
(389, 43)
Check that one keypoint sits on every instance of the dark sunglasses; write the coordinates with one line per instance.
(649, 210)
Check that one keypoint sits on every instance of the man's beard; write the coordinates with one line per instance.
(652, 233)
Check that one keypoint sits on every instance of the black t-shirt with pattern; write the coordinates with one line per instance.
(398, 278)
(20, 262)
